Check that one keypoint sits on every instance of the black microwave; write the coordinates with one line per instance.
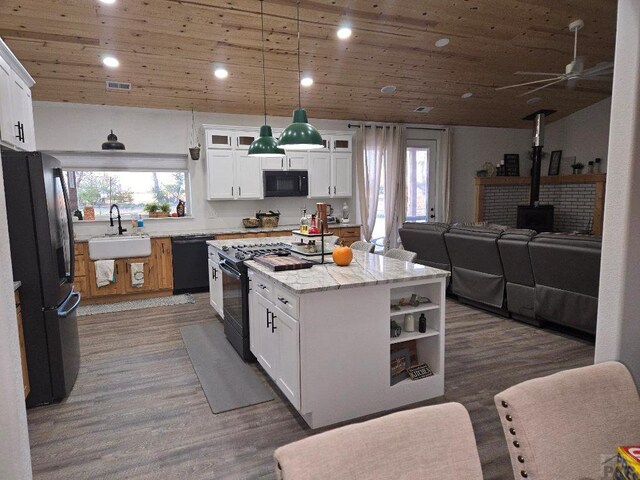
(294, 183)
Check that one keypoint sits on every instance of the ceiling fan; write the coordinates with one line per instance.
(574, 70)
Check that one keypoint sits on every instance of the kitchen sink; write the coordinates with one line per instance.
(121, 246)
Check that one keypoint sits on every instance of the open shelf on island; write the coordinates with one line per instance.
(406, 336)
(409, 309)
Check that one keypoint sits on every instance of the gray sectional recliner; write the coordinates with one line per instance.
(535, 278)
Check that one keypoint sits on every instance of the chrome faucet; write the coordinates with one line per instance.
(120, 229)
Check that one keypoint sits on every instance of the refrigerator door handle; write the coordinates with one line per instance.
(61, 310)
(72, 258)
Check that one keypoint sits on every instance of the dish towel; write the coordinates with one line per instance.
(137, 275)
(105, 272)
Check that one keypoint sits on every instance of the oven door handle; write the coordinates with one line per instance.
(228, 270)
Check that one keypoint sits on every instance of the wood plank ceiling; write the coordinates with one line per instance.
(167, 49)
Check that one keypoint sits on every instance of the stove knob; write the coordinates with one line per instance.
(239, 256)
(225, 248)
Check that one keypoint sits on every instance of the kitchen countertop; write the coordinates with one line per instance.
(365, 269)
(218, 231)
(16, 285)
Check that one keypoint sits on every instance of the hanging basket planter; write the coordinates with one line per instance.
(194, 153)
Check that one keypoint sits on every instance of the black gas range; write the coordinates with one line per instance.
(235, 290)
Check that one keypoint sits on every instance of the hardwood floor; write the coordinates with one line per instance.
(138, 412)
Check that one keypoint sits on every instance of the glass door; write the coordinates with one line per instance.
(421, 181)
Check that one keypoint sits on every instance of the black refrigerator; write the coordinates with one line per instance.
(42, 255)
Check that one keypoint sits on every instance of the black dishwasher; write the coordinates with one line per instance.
(190, 267)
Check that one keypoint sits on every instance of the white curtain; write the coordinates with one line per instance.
(369, 161)
(395, 192)
(381, 150)
(443, 173)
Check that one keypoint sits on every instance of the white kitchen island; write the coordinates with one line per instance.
(322, 334)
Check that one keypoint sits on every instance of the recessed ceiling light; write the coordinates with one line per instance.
(443, 42)
(110, 62)
(344, 33)
(388, 89)
(306, 82)
(108, 2)
(221, 73)
(467, 95)
(533, 100)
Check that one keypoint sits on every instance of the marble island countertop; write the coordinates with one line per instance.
(365, 269)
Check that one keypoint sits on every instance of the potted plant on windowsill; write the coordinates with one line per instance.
(156, 210)
(577, 168)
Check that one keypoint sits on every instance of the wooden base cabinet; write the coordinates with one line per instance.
(23, 353)
(157, 268)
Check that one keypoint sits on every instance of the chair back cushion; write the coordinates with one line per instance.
(427, 240)
(568, 425)
(429, 443)
(476, 268)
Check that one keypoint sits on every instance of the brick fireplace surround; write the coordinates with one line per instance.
(578, 200)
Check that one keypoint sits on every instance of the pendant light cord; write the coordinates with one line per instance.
(298, 22)
(264, 71)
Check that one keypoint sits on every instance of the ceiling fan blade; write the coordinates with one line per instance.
(543, 86)
(531, 83)
(539, 73)
(597, 78)
(601, 67)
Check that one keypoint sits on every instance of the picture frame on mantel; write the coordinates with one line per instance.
(554, 162)
(511, 165)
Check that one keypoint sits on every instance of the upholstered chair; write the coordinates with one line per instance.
(429, 443)
(363, 246)
(400, 254)
(568, 425)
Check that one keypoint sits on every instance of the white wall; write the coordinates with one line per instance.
(15, 459)
(618, 334)
(472, 147)
(75, 127)
(584, 135)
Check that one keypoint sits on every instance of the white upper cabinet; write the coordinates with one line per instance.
(341, 143)
(319, 175)
(248, 177)
(341, 174)
(231, 173)
(220, 174)
(297, 161)
(7, 129)
(16, 110)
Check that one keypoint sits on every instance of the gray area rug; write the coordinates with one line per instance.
(136, 304)
(228, 382)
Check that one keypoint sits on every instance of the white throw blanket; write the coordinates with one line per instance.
(105, 272)
(137, 275)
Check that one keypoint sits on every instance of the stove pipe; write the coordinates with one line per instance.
(538, 142)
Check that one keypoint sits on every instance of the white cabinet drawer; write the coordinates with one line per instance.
(263, 287)
(287, 302)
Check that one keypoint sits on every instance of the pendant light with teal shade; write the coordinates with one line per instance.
(300, 134)
(265, 145)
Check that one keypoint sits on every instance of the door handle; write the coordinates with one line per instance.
(232, 191)
(268, 313)
(281, 163)
(65, 313)
(283, 300)
(334, 189)
(273, 322)
(289, 163)
(329, 190)
(239, 191)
